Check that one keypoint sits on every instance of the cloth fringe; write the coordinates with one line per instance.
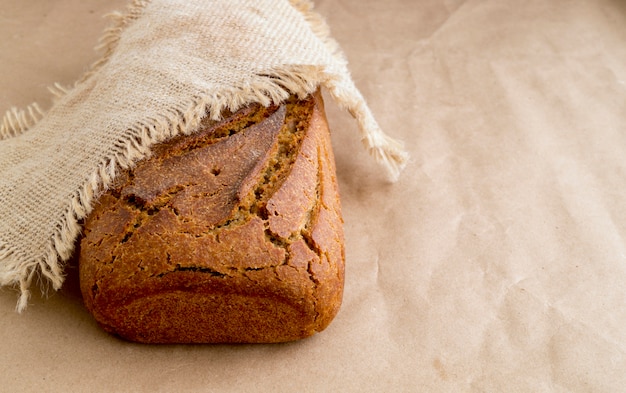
(16, 121)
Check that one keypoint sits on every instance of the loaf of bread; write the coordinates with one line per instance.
(230, 235)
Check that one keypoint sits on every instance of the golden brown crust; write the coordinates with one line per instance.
(232, 234)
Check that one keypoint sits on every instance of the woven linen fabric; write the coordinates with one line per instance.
(166, 65)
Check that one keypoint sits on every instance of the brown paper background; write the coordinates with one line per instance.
(496, 264)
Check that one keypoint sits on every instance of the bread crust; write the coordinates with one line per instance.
(232, 234)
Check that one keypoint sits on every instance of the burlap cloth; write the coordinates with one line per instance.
(166, 65)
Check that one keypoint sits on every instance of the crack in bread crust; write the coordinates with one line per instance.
(241, 236)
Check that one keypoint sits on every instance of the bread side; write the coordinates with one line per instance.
(232, 234)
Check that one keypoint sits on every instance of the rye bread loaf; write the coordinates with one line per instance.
(230, 235)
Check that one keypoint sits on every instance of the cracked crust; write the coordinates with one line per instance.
(232, 234)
